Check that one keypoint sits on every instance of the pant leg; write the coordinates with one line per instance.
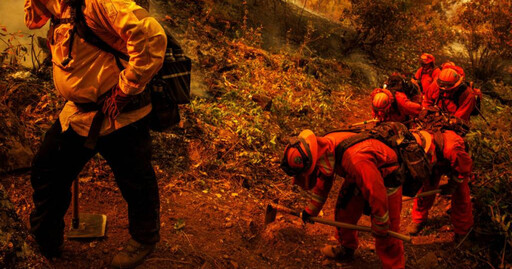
(349, 214)
(58, 162)
(455, 151)
(128, 152)
(422, 205)
(462, 210)
(391, 250)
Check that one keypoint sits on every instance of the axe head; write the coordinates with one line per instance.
(270, 214)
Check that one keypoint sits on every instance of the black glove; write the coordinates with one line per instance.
(449, 188)
(306, 217)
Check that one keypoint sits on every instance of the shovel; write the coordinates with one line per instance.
(85, 225)
(270, 216)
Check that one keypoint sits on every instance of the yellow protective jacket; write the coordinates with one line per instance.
(92, 72)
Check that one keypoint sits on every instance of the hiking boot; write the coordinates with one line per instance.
(414, 228)
(51, 252)
(132, 254)
(338, 253)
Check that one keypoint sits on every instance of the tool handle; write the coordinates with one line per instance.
(337, 223)
(363, 122)
(358, 228)
(285, 210)
(341, 224)
(423, 194)
(75, 220)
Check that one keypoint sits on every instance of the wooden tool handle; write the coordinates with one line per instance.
(423, 194)
(338, 224)
(358, 228)
(75, 221)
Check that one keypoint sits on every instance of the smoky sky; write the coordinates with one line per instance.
(12, 16)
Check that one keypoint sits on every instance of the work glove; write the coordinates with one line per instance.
(115, 102)
(306, 217)
(458, 125)
(449, 188)
(426, 112)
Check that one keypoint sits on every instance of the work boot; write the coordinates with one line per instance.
(51, 252)
(414, 228)
(338, 253)
(132, 254)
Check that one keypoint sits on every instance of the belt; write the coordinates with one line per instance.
(135, 103)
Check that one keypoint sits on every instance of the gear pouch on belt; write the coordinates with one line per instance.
(418, 168)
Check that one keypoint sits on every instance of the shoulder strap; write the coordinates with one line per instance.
(85, 32)
(349, 130)
(349, 142)
(395, 103)
(458, 93)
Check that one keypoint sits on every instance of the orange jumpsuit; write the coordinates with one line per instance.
(364, 165)
(454, 152)
(403, 109)
(460, 105)
(426, 77)
(459, 160)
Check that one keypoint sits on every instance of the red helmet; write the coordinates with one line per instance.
(452, 65)
(447, 65)
(427, 58)
(299, 160)
(449, 79)
(382, 100)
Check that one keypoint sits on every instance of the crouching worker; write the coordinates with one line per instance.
(449, 153)
(371, 171)
(105, 113)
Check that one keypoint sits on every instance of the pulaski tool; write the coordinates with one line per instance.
(85, 225)
(272, 209)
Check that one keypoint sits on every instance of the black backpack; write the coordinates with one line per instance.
(168, 88)
(414, 167)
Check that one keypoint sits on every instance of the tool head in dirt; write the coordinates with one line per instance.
(89, 226)
(270, 214)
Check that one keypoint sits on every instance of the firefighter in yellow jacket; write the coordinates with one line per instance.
(100, 116)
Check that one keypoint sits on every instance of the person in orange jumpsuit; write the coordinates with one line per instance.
(425, 75)
(312, 162)
(391, 103)
(454, 159)
(85, 75)
(393, 106)
(450, 94)
(456, 101)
